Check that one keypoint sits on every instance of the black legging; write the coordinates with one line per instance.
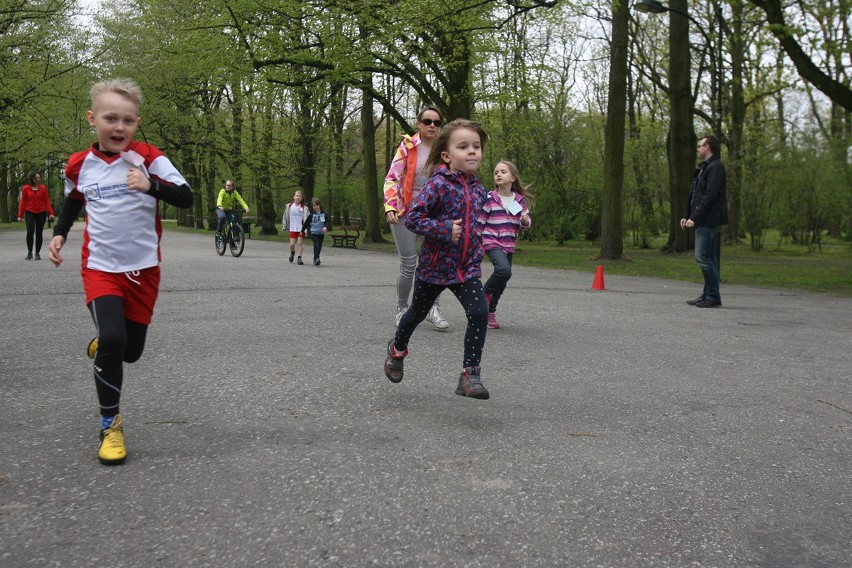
(119, 341)
(472, 298)
(35, 226)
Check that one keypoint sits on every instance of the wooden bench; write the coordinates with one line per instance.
(246, 221)
(347, 239)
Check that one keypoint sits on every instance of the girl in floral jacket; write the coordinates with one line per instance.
(445, 213)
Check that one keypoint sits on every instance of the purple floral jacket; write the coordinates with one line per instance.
(446, 196)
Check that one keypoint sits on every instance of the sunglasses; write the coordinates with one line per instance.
(430, 122)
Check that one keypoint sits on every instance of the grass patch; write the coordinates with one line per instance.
(780, 265)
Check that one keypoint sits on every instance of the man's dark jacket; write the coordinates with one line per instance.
(707, 204)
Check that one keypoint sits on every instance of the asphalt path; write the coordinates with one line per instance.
(624, 428)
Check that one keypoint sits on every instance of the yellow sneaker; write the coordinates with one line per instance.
(112, 451)
(92, 348)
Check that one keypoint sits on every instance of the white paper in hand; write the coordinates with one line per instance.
(133, 157)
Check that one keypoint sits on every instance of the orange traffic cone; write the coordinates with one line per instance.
(598, 283)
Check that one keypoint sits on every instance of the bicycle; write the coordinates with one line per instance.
(231, 236)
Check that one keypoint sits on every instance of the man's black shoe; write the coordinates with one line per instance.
(696, 300)
(709, 304)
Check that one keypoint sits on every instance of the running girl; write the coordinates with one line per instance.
(504, 214)
(445, 213)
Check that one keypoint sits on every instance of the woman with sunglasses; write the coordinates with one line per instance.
(405, 178)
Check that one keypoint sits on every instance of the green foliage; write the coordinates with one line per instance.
(43, 64)
(269, 95)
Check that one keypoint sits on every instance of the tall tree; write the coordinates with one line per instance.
(681, 139)
(612, 216)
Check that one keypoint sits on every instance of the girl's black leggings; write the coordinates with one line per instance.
(35, 227)
(119, 341)
(472, 298)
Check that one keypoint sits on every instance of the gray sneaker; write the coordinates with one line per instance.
(437, 320)
(470, 384)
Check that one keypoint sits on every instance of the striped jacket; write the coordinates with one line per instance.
(446, 196)
(499, 227)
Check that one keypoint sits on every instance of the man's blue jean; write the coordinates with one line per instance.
(496, 284)
(223, 216)
(707, 247)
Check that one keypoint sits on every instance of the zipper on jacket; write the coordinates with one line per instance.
(466, 228)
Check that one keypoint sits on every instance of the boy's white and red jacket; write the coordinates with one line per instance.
(122, 225)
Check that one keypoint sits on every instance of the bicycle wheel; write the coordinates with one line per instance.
(220, 243)
(237, 242)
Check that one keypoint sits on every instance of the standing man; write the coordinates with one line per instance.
(707, 211)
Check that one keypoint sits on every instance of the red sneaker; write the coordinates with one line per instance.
(470, 384)
(492, 321)
(394, 363)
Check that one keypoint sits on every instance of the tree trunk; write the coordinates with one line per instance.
(236, 136)
(681, 140)
(371, 186)
(337, 124)
(266, 214)
(306, 160)
(211, 189)
(456, 52)
(189, 170)
(4, 194)
(736, 152)
(612, 217)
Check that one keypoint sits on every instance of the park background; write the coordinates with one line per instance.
(599, 104)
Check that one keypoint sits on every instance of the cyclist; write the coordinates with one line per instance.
(225, 204)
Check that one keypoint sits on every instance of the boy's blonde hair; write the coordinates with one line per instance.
(127, 88)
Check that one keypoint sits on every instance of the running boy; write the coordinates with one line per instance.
(504, 214)
(445, 213)
(121, 182)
